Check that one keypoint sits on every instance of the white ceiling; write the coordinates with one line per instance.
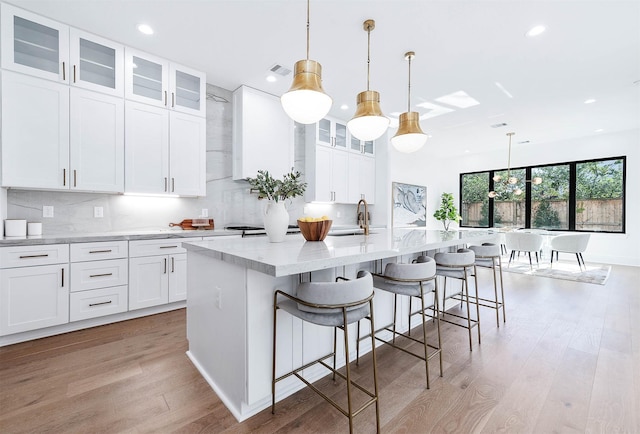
(591, 49)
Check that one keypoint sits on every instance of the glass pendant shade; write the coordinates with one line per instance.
(368, 123)
(306, 102)
(409, 137)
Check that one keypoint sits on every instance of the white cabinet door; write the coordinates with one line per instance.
(35, 132)
(324, 132)
(34, 45)
(147, 149)
(96, 63)
(33, 298)
(187, 155)
(178, 277)
(146, 78)
(148, 281)
(362, 181)
(340, 176)
(188, 90)
(262, 134)
(96, 142)
(321, 187)
(329, 178)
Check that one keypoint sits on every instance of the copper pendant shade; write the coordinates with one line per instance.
(410, 136)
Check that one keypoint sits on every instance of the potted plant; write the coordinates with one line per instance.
(447, 211)
(276, 191)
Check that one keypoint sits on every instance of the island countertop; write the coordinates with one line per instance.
(295, 255)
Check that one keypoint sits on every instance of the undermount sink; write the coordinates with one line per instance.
(348, 233)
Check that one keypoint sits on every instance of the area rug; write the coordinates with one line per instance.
(594, 273)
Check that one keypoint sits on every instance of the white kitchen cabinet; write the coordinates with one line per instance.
(165, 152)
(98, 302)
(327, 171)
(41, 47)
(153, 80)
(262, 134)
(34, 45)
(35, 132)
(96, 154)
(54, 137)
(366, 147)
(157, 272)
(331, 132)
(362, 178)
(34, 287)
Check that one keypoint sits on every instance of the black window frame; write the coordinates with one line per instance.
(572, 193)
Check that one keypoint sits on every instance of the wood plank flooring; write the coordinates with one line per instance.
(567, 360)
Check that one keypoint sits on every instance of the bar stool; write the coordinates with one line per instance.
(413, 280)
(488, 255)
(459, 265)
(331, 304)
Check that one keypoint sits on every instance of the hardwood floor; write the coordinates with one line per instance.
(567, 360)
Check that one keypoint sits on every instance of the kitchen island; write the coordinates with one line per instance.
(230, 303)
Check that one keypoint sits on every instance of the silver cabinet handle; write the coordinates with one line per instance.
(74, 73)
(100, 251)
(165, 266)
(34, 256)
(101, 275)
(99, 304)
(165, 183)
(168, 247)
(62, 284)
(75, 178)
(173, 185)
(173, 264)
(165, 97)
(64, 72)
(64, 177)
(173, 99)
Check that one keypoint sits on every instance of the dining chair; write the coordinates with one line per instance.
(570, 243)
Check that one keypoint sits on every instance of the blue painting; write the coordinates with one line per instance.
(409, 205)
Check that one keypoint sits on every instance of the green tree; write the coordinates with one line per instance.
(599, 180)
(546, 216)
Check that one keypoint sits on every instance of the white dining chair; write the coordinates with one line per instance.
(570, 243)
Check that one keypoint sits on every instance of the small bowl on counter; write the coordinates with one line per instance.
(315, 231)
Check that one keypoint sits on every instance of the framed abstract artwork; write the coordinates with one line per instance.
(409, 204)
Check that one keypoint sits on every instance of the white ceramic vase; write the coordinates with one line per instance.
(276, 221)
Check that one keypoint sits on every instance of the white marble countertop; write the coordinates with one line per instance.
(84, 237)
(295, 255)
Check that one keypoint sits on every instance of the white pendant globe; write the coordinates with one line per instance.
(368, 127)
(306, 106)
(409, 142)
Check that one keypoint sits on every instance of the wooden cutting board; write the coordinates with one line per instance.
(187, 225)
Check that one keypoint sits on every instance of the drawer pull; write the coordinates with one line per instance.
(101, 275)
(168, 247)
(101, 251)
(62, 280)
(165, 266)
(34, 256)
(100, 304)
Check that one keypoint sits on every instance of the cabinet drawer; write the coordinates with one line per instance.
(97, 302)
(158, 247)
(102, 250)
(98, 274)
(25, 256)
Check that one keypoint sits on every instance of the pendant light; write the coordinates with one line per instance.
(511, 180)
(368, 123)
(305, 102)
(409, 137)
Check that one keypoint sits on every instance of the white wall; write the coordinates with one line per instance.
(444, 176)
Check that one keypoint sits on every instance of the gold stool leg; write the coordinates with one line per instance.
(375, 369)
(475, 278)
(424, 334)
(437, 314)
(348, 370)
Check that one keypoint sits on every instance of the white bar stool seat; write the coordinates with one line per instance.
(489, 255)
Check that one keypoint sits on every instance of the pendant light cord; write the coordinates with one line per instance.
(308, 29)
(368, 53)
(509, 158)
(409, 92)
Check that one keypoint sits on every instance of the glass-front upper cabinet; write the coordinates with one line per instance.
(361, 146)
(340, 140)
(187, 89)
(368, 147)
(153, 80)
(330, 132)
(34, 45)
(323, 132)
(96, 63)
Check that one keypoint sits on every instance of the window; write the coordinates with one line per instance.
(575, 196)
(600, 195)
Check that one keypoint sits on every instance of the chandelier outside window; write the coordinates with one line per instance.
(409, 137)
(368, 123)
(511, 181)
(306, 102)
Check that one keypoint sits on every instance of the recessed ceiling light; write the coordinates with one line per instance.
(535, 31)
(599, 130)
(344, 107)
(271, 78)
(589, 101)
(505, 91)
(145, 28)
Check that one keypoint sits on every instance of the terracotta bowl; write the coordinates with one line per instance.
(315, 231)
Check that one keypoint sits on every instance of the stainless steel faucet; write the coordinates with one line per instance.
(363, 217)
